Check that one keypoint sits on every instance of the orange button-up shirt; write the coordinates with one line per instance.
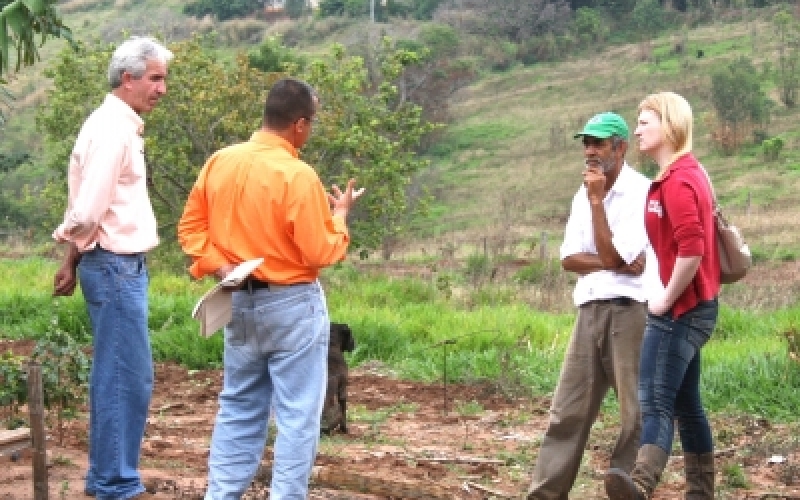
(257, 199)
(108, 202)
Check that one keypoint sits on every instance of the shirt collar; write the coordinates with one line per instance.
(126, 112)
(624, 180)
(261, 136)
(682, 162)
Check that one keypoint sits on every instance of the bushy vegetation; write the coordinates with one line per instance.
(367, 129)
(222, 9)
(406, 324)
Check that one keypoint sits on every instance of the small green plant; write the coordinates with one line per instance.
(477, 269)
(65, 374)
(444, 283)
(13, 389)
(537, 272)
(469, 408)
(62, 460)
(772, 148)
(734, 476)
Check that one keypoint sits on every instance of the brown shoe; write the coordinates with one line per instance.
(152, 496)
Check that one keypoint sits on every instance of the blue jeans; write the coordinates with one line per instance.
(669, 379)
(121, 381)
(276, 351)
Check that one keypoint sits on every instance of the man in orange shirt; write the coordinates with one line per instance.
(251, 200)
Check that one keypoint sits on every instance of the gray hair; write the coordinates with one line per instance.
(132, 56)
(616, 142)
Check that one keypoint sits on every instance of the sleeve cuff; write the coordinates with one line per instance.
(204, 266)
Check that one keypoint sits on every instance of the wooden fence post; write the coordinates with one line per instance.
(36, 412)
(543, 246)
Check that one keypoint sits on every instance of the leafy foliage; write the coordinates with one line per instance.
(222, 9)
(739, 102)
(365, 131)
(65, 377)
(272, 56)
(772, 148)
(13, 389)
(418, 9)
(648, 17)
(512, 20)
(65, 374)
(20, 22)
(370, 132)
(352, 8)
(11, 161)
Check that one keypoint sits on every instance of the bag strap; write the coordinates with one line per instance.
(710, 185)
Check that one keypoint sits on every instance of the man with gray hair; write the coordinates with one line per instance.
(605, 244)
(108, 227)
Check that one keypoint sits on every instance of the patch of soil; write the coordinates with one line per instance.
(406, 436)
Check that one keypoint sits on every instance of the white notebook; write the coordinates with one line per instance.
(213, 310)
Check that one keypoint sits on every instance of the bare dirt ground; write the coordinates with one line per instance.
(403, 442)
(415, 440)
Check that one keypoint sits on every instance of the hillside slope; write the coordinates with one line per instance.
(508, 162)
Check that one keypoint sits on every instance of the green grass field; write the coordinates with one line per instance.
(409, 327)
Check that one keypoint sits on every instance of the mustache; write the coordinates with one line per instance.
(605, 165)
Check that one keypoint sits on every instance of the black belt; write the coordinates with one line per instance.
(617, 301)
(251, 284)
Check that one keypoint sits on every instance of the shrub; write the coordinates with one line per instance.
(537, 272)
(478, 268)
(272, 56)
(772, 148)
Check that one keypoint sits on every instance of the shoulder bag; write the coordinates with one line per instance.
(734, 254)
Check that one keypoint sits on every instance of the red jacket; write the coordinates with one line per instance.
(679, 219)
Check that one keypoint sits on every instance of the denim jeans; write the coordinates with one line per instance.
(276, 350)
(121, 381)
(669, 379)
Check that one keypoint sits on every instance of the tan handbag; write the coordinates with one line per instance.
(734, 254)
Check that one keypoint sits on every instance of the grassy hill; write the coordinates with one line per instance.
(506, 167)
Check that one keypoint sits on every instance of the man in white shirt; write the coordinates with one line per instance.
(605, 243)
(108, 228)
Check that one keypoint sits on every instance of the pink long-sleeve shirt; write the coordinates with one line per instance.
(108, 204)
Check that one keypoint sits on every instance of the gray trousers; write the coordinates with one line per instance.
(603, 353)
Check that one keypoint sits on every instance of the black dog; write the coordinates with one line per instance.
(334, 416)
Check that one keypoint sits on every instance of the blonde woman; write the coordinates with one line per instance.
(679, 220)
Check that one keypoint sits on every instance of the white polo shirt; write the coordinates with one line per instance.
(624, 206)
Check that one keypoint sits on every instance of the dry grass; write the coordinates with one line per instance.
(534, 100)
(73, 6)
(238, 31)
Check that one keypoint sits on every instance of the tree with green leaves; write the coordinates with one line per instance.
(222, 10)
(272, 56)
(364, 131)
(739, 101)
(20, 22)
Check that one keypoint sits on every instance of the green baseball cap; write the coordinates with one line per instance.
(604, 125)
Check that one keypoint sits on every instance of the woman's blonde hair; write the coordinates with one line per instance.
(676, 119)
